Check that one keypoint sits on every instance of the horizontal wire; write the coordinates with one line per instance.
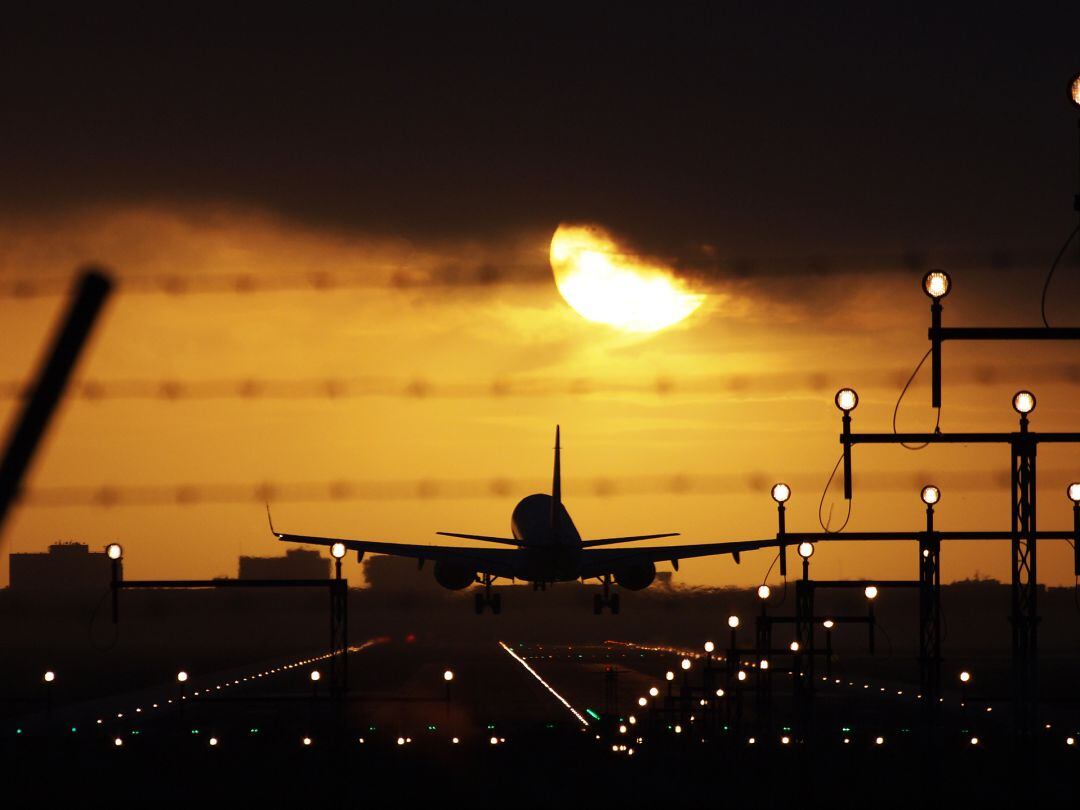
(193, 494)
(255, 388)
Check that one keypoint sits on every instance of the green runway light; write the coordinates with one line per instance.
(18, 731)
(846, 728)
(194, 731)
(253, 730)
(73, 729)
(589, 712)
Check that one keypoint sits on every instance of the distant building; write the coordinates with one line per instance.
(298, 563)
(66, 567)
(385, 573)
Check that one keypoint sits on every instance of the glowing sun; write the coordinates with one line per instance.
(606, 285)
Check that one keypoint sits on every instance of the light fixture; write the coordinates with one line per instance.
(781, 492)
(937, 284)
(315, 675)
(709, 646)
(870, 592)
(806, 549)
(337, 551)
(930, 495)
(828, 624)
(764, 663)
(685, 664)
(1023, 402)
(49, 676)
(1073, 491)
(794, 646)
(965, 676)
(763, 591)
(846, 399)
(669, 675)
(732, 622)
(448, 676)
(114, 550)
(653, 691)
(181, 676)
(1074, 90)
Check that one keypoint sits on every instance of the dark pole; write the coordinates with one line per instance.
(115, 591)
(1076, 539)
(781, 532)
(847, 455)
(90, 293)
(935, 353)
(1025, 615)
(930, 620)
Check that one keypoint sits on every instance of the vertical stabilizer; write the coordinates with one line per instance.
(556, 486)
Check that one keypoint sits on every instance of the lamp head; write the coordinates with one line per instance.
(930, 495)
(965, 676)
(49, 676)
(1023, 402)
(763, 592)
(781, 493)
(1073, 491)
(181, 676)
(448, 675)
(315, 675)
(828, 624)
(870, 592)
(709, 646)
(937, 284)
(806, 549)
(685, 664)
(1074, 90)
(114, 550)
(732, 622)
(846, 399)
(337, 551)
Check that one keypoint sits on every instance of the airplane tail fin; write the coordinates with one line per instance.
(556, 486)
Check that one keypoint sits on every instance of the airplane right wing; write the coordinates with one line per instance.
(604, 561)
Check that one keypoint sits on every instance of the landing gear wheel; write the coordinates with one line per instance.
(597, 604)
(496, 604)
(613, 603)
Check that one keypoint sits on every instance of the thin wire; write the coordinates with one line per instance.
(899, 399)
(773, 563)
(1053, 267)
(824, 523)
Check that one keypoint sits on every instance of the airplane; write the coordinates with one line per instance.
(546, 548)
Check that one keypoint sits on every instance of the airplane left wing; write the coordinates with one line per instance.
(597, 562)
(499, 562)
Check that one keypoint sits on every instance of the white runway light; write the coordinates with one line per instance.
(544, 683)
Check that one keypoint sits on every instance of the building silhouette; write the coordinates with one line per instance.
(65, 567)
(297, 563)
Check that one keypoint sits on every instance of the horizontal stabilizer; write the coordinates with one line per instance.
(506, 541)
(608, 541)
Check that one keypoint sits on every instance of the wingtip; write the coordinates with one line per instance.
(270, 520)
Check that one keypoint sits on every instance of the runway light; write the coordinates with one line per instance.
(448, 675)
(846, 400)
(1073, 491)
(930, 495)
(337, 551)
(781, 492)
(879, 741)
(742, 675)
(49, 676)
(1023, 402)
(732, 622)
(118, 742)
(669, 675)
(306, 741)
(937, 284)
(114, 550)
(678, 729)
(751, 741)
(806, 549)
(785, 739)
(764, 664)
(213, 741)
(685, 664)
(1074, 90)
(494, 741)
(1070, 740)
(455, 740)
(642, 701)
(794, 646)
(764, 592)
(709, 646)
(400, 740)
(181, 676)
(974, 740)
(870, 592)
(965, 676)
(654, 691)
(828, 624)
(719, 692)
(315, 675)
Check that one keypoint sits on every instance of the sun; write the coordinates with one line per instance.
(607, 285)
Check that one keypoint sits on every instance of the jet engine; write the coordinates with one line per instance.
(637, 576)
(454, 576)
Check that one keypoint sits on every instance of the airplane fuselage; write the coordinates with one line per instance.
(551, 545)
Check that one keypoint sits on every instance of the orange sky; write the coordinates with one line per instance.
(733, 398)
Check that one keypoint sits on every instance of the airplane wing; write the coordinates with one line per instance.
(506, 541)
(602, 561)
(499, 562)
(609, 541)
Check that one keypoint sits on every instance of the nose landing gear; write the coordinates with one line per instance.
(607, 599)
(482, 600)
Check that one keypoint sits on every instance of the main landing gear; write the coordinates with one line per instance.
(608, 599)
(486, 598)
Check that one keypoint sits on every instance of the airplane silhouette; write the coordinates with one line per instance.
(546, 548)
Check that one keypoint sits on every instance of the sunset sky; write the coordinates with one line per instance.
(335, 290)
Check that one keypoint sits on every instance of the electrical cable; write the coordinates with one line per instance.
(1053, 267)
(824, 523)
(899, 399)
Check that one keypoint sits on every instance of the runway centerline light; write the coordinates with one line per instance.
(337, 551)
(846, 399)
(870, 592)
(1023, 402)
(1073, 491)
(930, 495)
(937, 284)
(732, 622)
(806, 549)
(781, 492)
(764, 591)
(114, 550)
